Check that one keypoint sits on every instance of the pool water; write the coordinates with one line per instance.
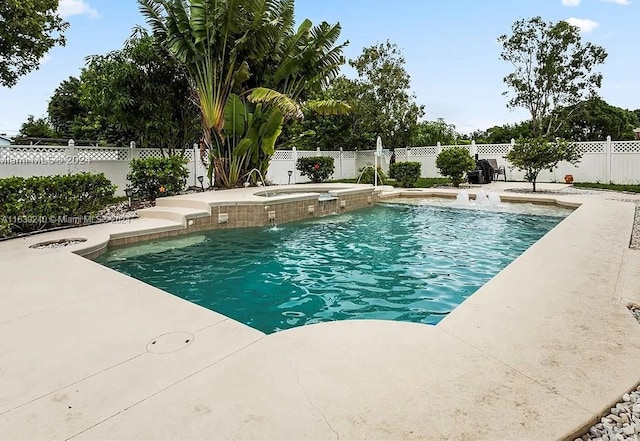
(402, 261)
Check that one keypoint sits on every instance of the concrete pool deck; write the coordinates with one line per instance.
(539, 352)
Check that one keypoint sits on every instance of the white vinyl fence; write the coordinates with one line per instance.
(606, 161)
(602, 161)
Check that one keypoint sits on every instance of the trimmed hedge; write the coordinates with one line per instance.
(43, 202)
(405, 173)
(316, 168)
(155, 177)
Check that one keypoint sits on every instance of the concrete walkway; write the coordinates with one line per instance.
(538, 353)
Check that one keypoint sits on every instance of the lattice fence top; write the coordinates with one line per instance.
(349, 154)
(423, 151)
(592, 147)
(149, 153)
(310, 153)
(102, 153)
(493, 149)
(32, 154)
(366, 154)
(447, 147)
(626, 147)
(282, 155)
(331, 154)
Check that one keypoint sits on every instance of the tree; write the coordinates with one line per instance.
(64, 107)
(432, 132)
(249, 66)
(503, 134)
(537, 154)
(136, 94)
(28, 30)
(36, 128)
(594, 120)
(381, 105)
(454, 163)
(386, 106)
(350, 131)
(553, 69)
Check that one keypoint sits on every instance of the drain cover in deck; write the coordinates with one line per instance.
(171, 342)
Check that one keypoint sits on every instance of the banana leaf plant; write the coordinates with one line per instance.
(249, 69)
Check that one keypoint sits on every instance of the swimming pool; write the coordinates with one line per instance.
(411, 261)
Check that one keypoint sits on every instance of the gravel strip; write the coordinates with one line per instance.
(623, 423)
(58, 244)
(635, 236)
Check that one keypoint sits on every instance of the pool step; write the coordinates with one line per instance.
(176, 214)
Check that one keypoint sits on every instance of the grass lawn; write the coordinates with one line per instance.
(614, 187)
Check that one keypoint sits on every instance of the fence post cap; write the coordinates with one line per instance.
(132, 144)
(71, 143)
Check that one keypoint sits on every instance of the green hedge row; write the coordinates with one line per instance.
(41, 202)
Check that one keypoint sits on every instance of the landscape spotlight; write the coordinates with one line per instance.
(129, 193)
(201, 180)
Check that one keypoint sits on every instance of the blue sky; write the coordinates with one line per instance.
(450, 48)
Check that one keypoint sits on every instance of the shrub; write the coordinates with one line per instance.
(316, 168)
(366, 175)
(454, 163)
(41, 202)
(405, 173)
(155, 177)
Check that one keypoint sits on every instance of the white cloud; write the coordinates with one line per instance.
(585, 24)
(571, 2)
(45, 59)
(618, 2)
(67, 8)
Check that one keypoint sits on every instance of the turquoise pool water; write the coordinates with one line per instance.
(403, 261)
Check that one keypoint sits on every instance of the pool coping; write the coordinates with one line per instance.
(519, 331)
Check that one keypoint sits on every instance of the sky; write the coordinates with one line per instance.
(450, 47)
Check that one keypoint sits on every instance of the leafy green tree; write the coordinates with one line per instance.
(503, 134)
(431, 132)
(537, 154)
(553, 68)
(381, 105)
(134, 94)
(350, 131)
(385, 104)
(65, 108)
(36, 128)
(454, 163)
(28, 30)
(594, 120)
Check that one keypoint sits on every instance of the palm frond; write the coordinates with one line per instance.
(329, 107)
(269, 97)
